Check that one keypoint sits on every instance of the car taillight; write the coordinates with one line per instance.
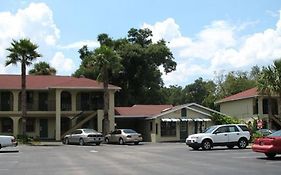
(129, 136)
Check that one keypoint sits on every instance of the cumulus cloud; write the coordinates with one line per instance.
(79, 44)
(62, 64)
(34, 22)
(216, 47)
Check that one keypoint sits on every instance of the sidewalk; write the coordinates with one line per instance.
(46, 143)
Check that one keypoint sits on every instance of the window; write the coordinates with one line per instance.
(168, 128)
(30, 125)
(151, 126)
(222, 129)
(233, 129)
(183, 112)
(244, 128)
(7, 125)
(43, 101)
(274, 106)
(65, 101)
(156, 128)
(29, 97)
(6, 101)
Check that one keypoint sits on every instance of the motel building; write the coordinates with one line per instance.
(57, 105)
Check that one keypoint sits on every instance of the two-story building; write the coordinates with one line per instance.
(55, 105)
(250, 104)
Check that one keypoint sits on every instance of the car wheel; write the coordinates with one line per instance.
(81, 142)
(106, 140)
(98, 143)
(121, 141)
(206, 145)
(66, 141)
(242, 143)
(136, 143)
(230, 146)
(270, 155)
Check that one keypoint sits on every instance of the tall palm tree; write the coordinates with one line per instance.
(277, 74)
(265, 86)
(22, 52)
(105, 60)
(42, 68)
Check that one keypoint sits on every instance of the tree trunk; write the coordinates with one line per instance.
(269, 105)
(105, 121)
(23, 97)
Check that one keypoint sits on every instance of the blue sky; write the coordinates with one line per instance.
(205, 36)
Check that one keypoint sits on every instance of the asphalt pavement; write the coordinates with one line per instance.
(143, 159)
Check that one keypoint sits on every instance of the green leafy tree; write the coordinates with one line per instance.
(140, 78)
(173, 95)
(233, 82)
(42, 68)
(22, 52)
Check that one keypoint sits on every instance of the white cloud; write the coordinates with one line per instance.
(216, 47)
(34, 22)
(79, 44)
(62, 64)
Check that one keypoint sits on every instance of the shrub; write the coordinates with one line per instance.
(219, 119)
(24, 139)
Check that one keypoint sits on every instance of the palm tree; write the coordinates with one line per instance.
(105, 60)
(42, 68)
(23, 52)
(277, 74)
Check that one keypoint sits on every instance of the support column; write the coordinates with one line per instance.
(58, 114)
(99, 120)
(111, 114)
(73, 101)
(16, 100)
(260, 107)
(15, 125)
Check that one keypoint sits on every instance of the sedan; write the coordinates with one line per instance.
(6, 141)
(269, 145)
(83, 136)
(123, 136)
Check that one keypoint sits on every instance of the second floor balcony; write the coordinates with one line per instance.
(46, 101)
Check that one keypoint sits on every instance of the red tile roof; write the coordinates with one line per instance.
(50, 81)
(141, 110)
(241, 95)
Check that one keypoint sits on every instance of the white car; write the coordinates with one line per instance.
(6, 141)
(229, 135)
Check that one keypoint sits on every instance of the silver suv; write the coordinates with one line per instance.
(229, 135)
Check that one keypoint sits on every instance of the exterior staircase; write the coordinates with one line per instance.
(277, 120)
(79, 125)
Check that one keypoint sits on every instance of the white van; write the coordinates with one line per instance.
(6, 141)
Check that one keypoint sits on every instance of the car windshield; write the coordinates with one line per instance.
(210, 129)
(277, 133)
(128, 131)
(89, 130)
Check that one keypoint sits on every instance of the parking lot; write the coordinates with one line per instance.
(146, 158)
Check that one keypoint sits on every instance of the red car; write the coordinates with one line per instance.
(269, 145)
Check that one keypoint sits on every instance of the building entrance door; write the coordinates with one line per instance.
(183, 130)
(43, 128)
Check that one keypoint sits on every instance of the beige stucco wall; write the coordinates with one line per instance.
(242, 109)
